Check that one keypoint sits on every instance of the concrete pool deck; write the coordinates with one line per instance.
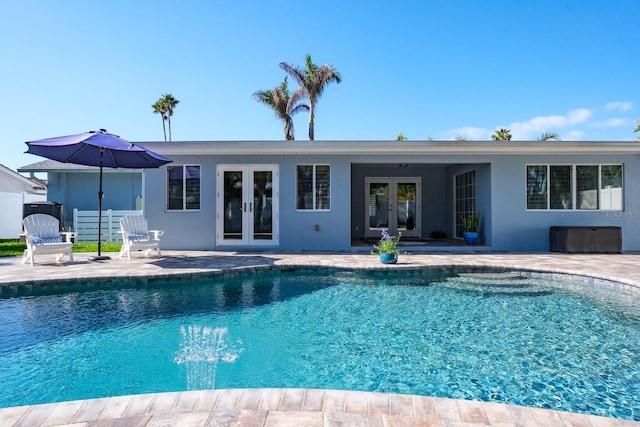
(298, 407)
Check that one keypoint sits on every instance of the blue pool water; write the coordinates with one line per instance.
(486, 336)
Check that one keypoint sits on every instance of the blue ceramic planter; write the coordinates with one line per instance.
(388, 258)
(471, 237)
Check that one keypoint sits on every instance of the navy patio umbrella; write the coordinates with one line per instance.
(97, 148)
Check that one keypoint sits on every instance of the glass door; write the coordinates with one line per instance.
(261, 205)
(393, 203)
(247, 205)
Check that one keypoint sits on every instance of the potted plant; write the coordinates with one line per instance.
(387, 247)
(470, 225)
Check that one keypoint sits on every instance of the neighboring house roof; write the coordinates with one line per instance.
(54, 166)
(418, 148)
(14, 180)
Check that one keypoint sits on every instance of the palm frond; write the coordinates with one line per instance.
(548, 136)
(312, 80)
(283, 104)
(502, 134)
(295, 72)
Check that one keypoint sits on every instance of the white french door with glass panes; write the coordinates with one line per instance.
(247, 205)
(393, 203)
(464, 197)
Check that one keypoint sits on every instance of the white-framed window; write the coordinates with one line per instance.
(313, 187)
(183, 187)
(574, 187)
(464, 198)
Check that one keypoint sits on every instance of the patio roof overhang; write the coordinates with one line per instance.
(54, 166)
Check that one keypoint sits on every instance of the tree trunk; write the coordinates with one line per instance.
(288, 130)
(169, 119)
(311, 121)
(164, 128)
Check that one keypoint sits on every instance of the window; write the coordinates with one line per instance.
(587, 187)
(313, 187)
(574, 187)
(183, 187)
(610, 187)
(465, 198)
(560, 187)
(537, 187)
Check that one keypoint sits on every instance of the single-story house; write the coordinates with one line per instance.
(331, 195)
(15, 191)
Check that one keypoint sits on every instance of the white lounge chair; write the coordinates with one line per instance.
(42, 234)
(137, 236)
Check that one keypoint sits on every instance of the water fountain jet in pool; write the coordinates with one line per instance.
(201, 349)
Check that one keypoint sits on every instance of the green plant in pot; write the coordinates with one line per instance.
(470, 226)
(387, 247)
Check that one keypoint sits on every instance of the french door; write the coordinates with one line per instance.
(247, 205)
(393, 203)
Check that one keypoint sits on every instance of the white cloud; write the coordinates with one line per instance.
(612, 123)
(533, 127)
(577, 124)
(579, 115)
(618, 105)
(573, 135)
(469, 132)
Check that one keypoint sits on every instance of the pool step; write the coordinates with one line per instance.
(494, 275)
(507, 284)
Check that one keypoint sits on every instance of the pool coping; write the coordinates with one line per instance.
(290, 407)
(258, 406)
(595, 279)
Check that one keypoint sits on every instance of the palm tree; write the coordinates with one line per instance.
(637, 129)
(158, 108)
(502, 134)
(312, 81)
(284, 105)
(401, 137)
(165, 106)
(170, 104)
(548, 136)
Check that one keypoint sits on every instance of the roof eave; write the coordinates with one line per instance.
(389, 147)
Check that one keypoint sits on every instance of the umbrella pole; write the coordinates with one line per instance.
(100, 194)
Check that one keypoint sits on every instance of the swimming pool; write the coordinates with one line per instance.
(485, 336)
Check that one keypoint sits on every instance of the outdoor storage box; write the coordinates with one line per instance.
(597, 240)
(50, 208)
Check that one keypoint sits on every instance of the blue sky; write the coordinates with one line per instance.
(438, 69)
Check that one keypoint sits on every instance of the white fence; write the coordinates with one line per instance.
(85, 223)
(11, 212)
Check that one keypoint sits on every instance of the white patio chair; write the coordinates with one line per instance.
(137, 236)
(42, 234)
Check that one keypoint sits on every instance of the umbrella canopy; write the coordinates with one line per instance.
(97, 148)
